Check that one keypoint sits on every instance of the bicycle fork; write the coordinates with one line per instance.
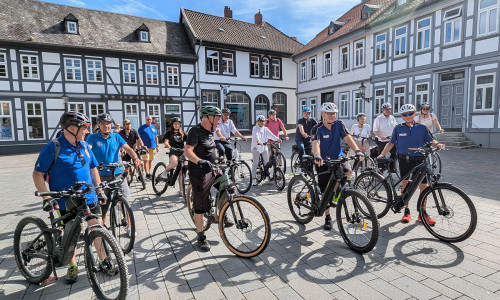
(240, 222)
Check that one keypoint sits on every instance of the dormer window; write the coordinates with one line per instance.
(143, 34)
(71, 24)
(334, 26)
(401, 2)
(368, 10)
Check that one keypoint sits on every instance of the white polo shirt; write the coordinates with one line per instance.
(384, 125)
(225, 129)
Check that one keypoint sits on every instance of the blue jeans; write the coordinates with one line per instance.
(304, 146)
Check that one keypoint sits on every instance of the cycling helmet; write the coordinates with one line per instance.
(387, 105)
(73, 118)
(329, 107)
(104, 117)
(360, 115)
(271, 112)
(226, 110)
(306, 109)
(425, 104)
(175, 119)
(407, 108)
(261, 118)
(210, 110)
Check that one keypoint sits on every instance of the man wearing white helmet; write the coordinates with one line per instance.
(383, 127)
(326, 142)
(410, 135)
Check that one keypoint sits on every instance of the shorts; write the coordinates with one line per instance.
(95, 208)
(405, 166)
(150, 155)
(200, 185)
(324, 178)
(177, 153)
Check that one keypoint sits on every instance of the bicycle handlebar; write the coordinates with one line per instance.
(426, 149)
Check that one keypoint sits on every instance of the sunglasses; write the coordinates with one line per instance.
(425, 108)
(407, 114)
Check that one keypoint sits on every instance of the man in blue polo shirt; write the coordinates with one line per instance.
(106, 147)
(75, 162)
(303, 132)
(410, 135)
(149, 136)
(327, 144)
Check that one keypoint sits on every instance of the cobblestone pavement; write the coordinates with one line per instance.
(300, 261)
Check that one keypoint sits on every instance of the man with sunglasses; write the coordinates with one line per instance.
(410, 135)
(383, 127)
(74, 162)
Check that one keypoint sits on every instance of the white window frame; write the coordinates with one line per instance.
(483, 88)
(400, 41)
(358, 103)
(359, 53)
(94, 71)
(31, 67)
(99, 108)
(212, 64)
(327, 63)
(144, 36)
(303, 70)
(379, 100)
(77, 106)
(487, 12)
(213, 99)
(401, 2)
(344, 65)
(154, 111)
(265, 67)
(227, 63)
(313, 67)
(3, 65)
(380, 47)
(10, 116)
(399, 99)
(28, 116)
(172, 76)
(152, 77)
(276, 68)
(302, 104)
(254, 66)
(72, 27)
(312, 104)
(423, 34)
(129, 75)
(421, 95)
(73, 69)
(131, 112)
(344, 105)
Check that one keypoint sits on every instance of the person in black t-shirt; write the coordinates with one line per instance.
(131, 137)
(200, 150)
(174, 140)
(303, 132)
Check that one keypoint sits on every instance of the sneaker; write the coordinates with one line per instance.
(180, 194)
(108, 267)
(72, 275)
(407, 216)
(149, 177)
(328, 224)
(227, 222)
(203, 244)
(428, 219)
(254, 182)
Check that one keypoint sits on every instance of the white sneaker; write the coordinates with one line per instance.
(254, 182)
(180, 194)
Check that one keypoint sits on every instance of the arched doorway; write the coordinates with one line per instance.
(261, 105)
(279, 105)
(239, 104)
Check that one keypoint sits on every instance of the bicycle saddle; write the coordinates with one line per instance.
(384, 161)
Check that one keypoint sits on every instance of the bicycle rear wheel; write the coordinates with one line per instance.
(295, 162)
(123, 224)
(32, 248)
(140, 176)
(261, 172)
(189, 203)
(241, 175)
(279, 178)
(361, 166)
(300, 196)
(281, 159)
(251, 232)
(359, 232)
(105, 264)
(452, 210)
(377, 190)
(185, 181)
(160, 179)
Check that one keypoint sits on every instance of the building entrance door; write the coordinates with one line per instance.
(451, 105)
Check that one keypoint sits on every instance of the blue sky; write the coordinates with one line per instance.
(300, 18)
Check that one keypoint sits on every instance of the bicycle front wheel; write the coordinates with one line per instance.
(377, 190)
(300, 196)
(451, 215)
(359, 232)
(160, 179)
(32, 248)
(251, 232)
(295, 162)
(280, 158)
(140, 176)
(279, 178)
(189, 203)
(241, 175)
(106, 269)
(123, 224)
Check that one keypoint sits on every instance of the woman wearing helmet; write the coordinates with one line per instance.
(260, 134)
(360, 131)
(175, 138)
(383, 126)
(410, 135)
(427, 118)
(223, 133)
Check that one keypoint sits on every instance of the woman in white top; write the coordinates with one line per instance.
(427, 118)
(360, 131)
(260, 134)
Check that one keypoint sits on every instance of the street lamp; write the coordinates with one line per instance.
(65, 100)
(362, 91)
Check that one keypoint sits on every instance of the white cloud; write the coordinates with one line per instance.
(77, 3)
(136, 8)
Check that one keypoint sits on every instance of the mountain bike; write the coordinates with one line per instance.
(239, 171)
(122, 221)
(251, 232)
(263, 171)
(435, 162)
(162, 178)
(137, 171)
(295, 161)
(39, 249)
(356, 218)
(454, 213)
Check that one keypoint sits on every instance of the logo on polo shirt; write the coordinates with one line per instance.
(99, 144)
(326, 136)
(403, 134)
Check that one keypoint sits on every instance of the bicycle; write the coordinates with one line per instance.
(251, 233)
(137, 171)
(454, 209)
(122, 221)
(263, 170)
(39, 249)
(305, 201)
(239, 171)
(295, 162)
(162, 178)
(368, 162)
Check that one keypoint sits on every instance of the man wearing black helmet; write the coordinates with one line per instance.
(65, 160)
(222, 134)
